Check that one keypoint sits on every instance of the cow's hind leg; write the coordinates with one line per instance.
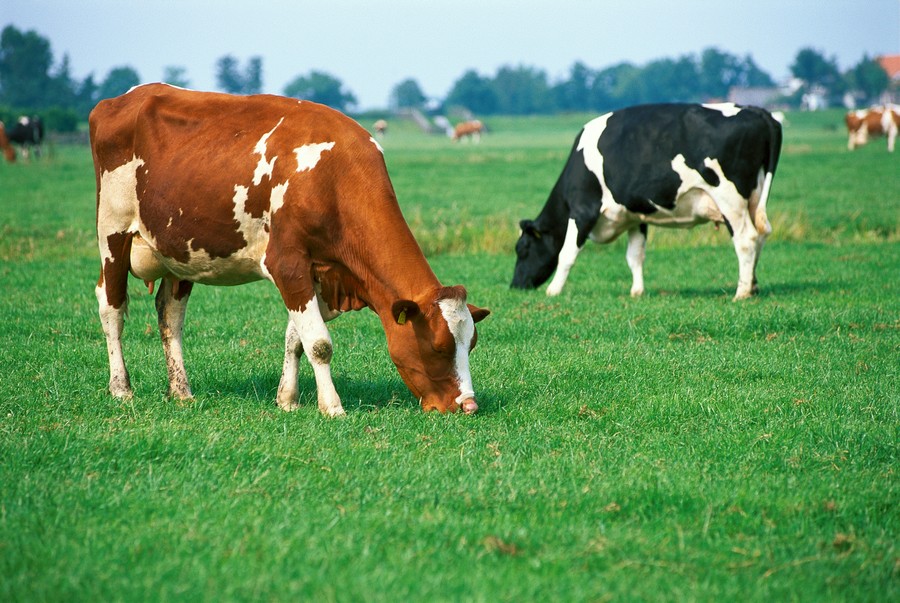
(288, 392)
(747, 245)
(171, 304)
(112, 299)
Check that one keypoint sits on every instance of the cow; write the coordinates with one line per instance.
(381, 127)
(210, 188)
(8, 151)
(875, 121)
(471, 129)
(27, 132)
(671, 165)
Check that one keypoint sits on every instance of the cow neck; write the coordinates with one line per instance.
(554, 217)
(390, 264)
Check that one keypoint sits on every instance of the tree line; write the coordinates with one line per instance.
(32, 82)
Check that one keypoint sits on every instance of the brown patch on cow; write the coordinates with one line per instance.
(5, 145)
(340, 290)
(114, 275)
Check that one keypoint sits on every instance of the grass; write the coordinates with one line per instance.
(675, 447)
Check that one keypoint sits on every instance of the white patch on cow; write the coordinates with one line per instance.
(726, 109)
(309, 155)
(276, 197)
(377, 146)
(462, 327)
(118, 202)
(567, 257)
(593, 160)
(264, 167)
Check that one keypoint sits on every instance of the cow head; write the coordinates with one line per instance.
(537, 253)
(429, 341)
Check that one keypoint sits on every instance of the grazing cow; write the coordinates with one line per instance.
(673, 165)
(471, 129)
(875, 121)
(8, 151)
(196, 187)
(381, 127)
(28, 133)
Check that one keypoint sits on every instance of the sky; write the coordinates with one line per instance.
(372, 45)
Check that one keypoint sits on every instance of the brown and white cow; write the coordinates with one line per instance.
(471, 129)
(874, 122)
(8, 151)
(197, 187)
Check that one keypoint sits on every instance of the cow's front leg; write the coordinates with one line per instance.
(288, 391)
(309, 327)
(171, 305)
(637, 247)
(566, 260)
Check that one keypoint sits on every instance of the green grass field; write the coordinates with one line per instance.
(678, 447)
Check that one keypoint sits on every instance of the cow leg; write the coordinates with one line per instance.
(288, 392)
(112, 299)
(567, 256)
(309, 327)
(112, 318)
(747, 245)
(171, 304)
(637, 245)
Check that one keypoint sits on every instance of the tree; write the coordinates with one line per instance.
(176, 76)
(574, 94)
(407, 95)
(322, 88)
(869, 79)
(474, 92)
(522, 91)
(611, 86)
(230, 78)
(811, 67)
(118, 81)
(25, 61)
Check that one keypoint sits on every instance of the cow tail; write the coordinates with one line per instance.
(760, 219)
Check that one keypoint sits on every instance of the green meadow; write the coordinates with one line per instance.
(677, 447)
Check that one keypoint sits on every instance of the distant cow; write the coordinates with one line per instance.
(196, 187)
(27, 132)
(8, 151)
(875, 121)
(671, 165)
(381, 127)
(471, 129)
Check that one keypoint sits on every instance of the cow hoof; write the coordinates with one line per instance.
(333, 412)
(553, 291)
(637, 292)
(288, 406)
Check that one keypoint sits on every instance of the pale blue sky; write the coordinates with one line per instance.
(372, 45)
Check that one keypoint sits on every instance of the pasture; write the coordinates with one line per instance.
(675, 447)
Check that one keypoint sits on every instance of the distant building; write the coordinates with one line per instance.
(758, 97)
(891, 65)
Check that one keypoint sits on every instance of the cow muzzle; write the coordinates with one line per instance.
(468, 406)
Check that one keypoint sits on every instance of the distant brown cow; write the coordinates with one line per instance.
(875, 121)
(381, 127)
(5, 146)
(472, 129)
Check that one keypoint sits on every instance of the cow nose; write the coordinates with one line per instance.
(469, 406)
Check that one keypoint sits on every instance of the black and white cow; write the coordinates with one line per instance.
(671, 165)
(27, 132)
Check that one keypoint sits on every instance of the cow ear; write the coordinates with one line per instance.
(403, 310)
(528, 227)
(478, 314)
